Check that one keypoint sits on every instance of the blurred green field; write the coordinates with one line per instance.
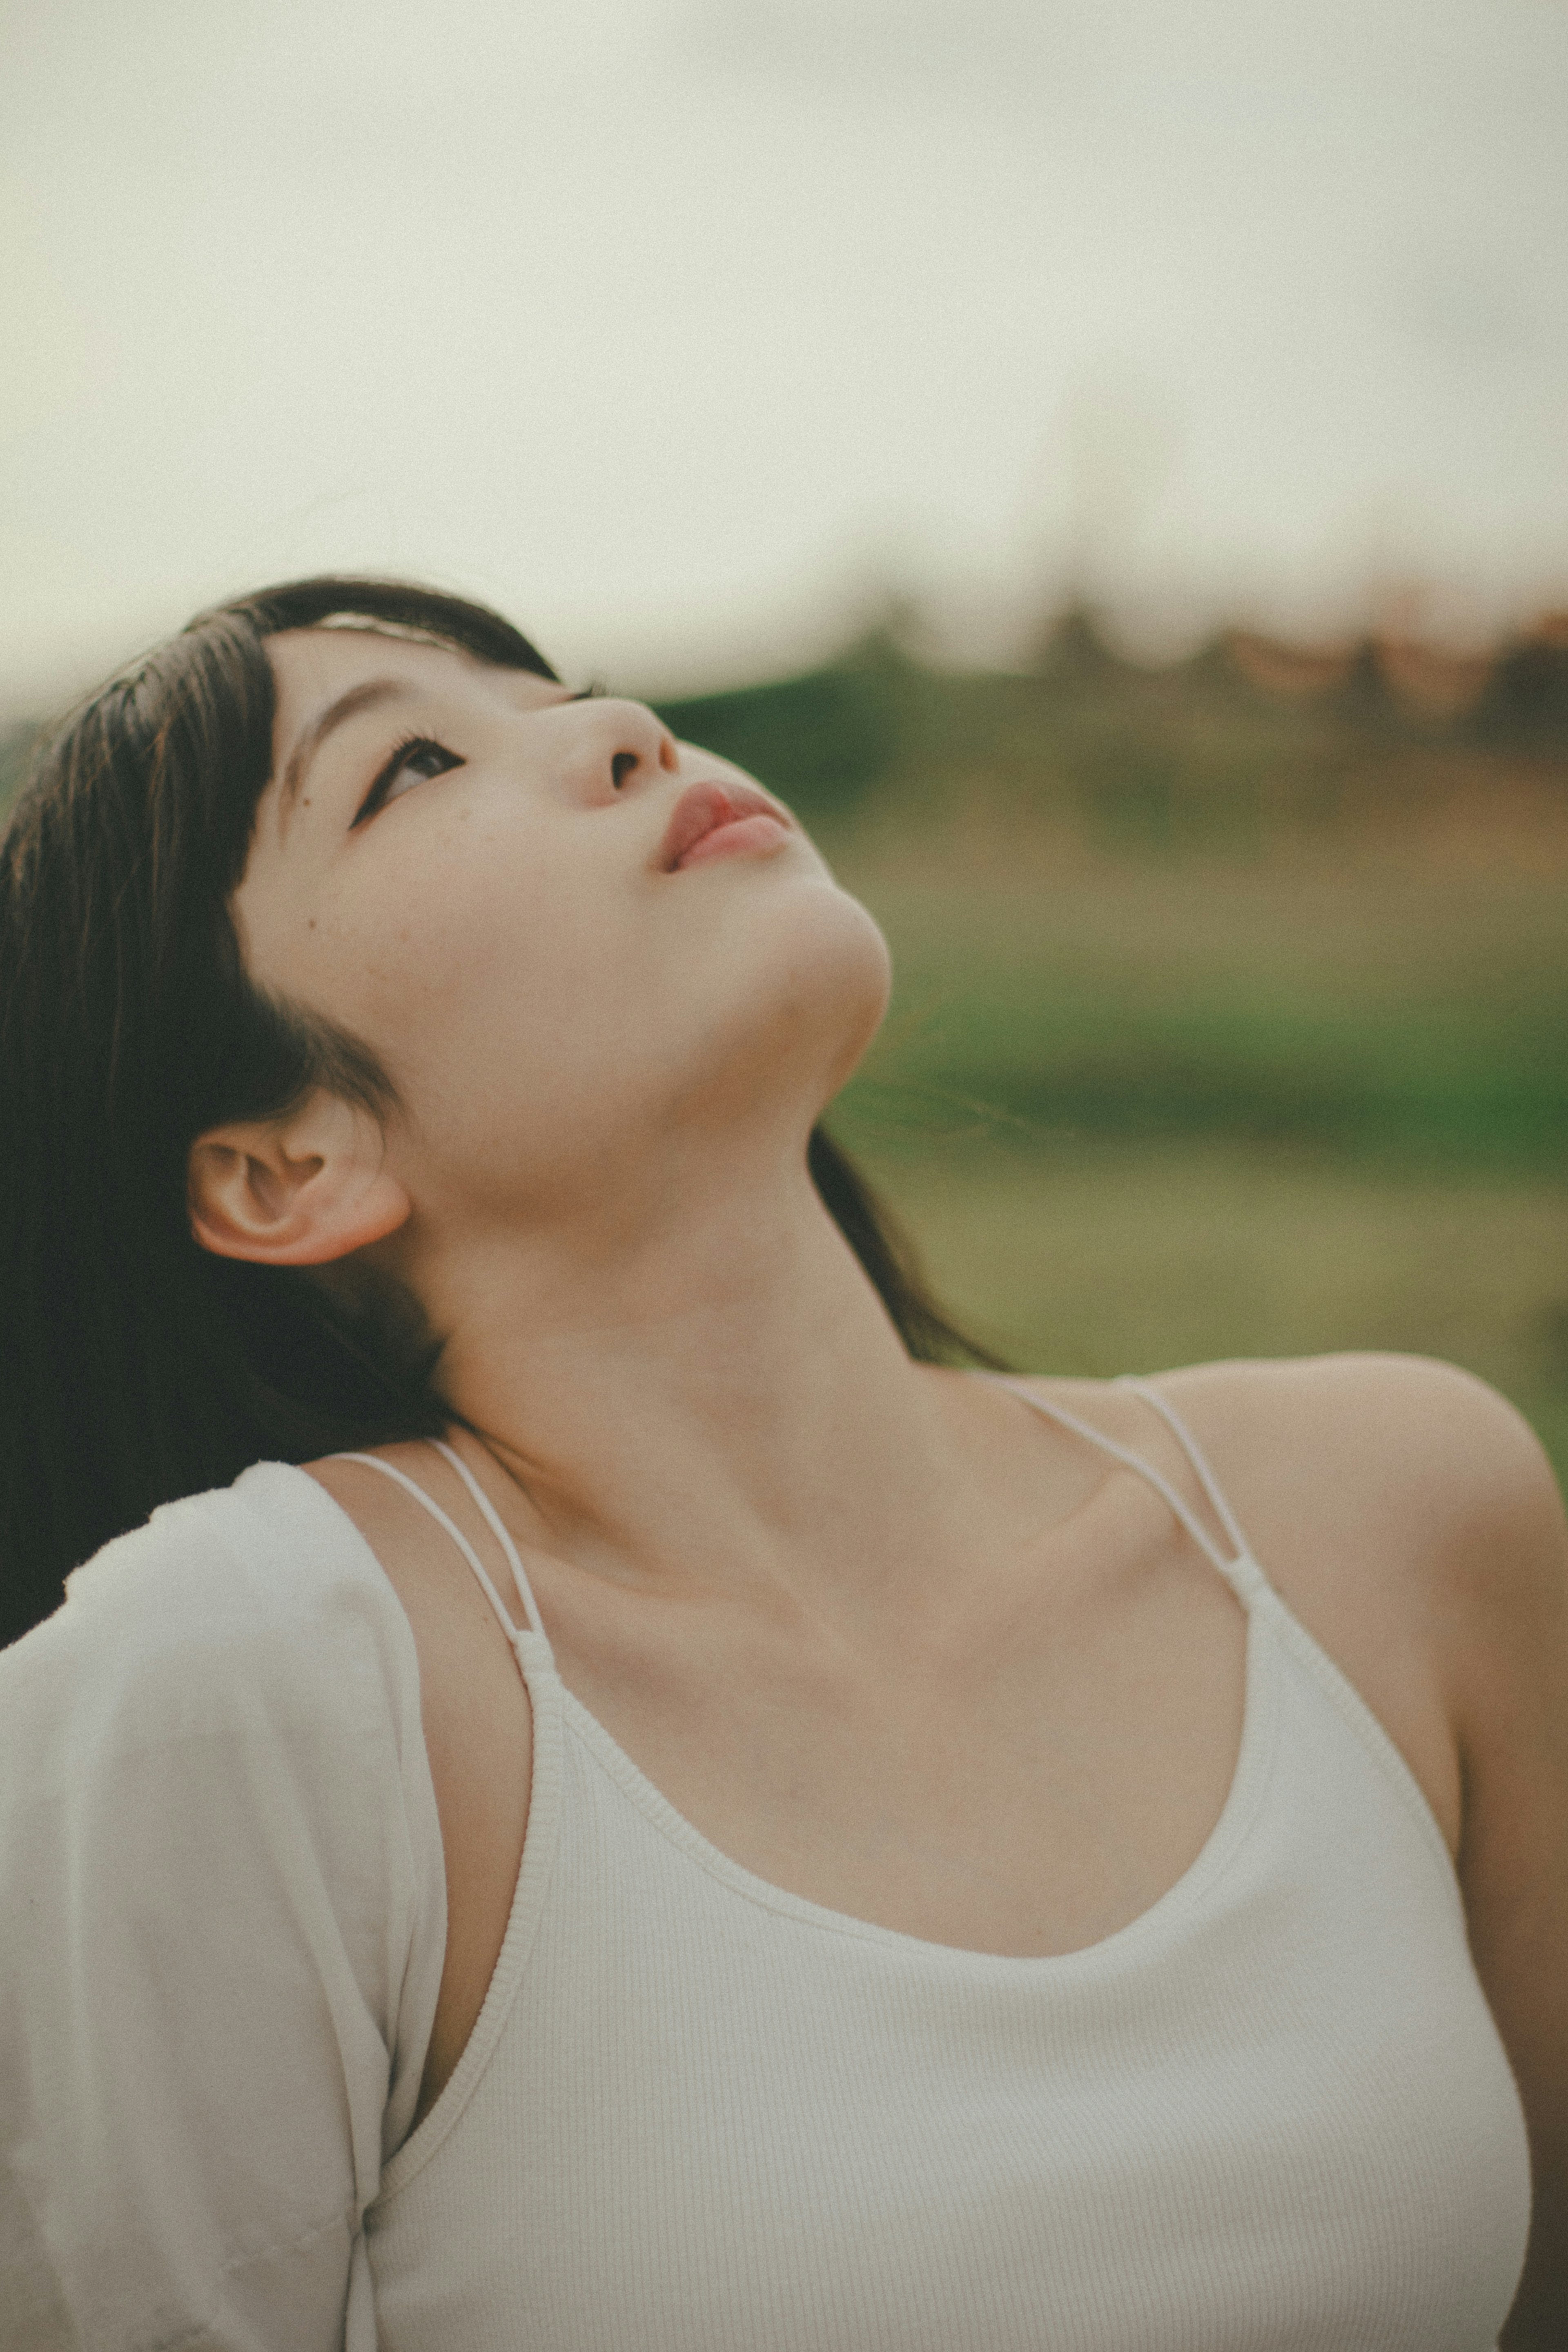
(1095, 1261)
(1143, 1113)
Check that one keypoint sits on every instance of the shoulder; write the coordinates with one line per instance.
(1401, 1461)
(253, 1605)
(221, 1717)
(216, 1818)
(1399, 1474)
(1412, 1520)
(1403, 1454)
(1407, 1516)
(1398, 1414)
(271, 1546)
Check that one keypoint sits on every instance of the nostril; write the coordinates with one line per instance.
(622, 766)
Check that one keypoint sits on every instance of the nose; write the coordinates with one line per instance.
(623, 743)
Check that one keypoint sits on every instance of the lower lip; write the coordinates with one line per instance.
(745, 836)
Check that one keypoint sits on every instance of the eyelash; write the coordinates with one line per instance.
(387, 773)
(387, 776)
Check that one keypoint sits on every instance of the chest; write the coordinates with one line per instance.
(1026, 1785)
(708, 2113)
(1025, 1788)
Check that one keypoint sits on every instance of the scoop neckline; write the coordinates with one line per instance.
(1254, 1758)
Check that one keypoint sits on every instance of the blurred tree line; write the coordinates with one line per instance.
(1243, 733)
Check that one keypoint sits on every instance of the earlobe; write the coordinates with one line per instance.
(302, 1190)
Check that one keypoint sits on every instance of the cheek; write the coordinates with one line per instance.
(508, 992)
(506, 982)
(486, 958)
(434, 940)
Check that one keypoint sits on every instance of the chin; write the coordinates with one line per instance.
(805, 981)
(840, 977)
(863, 983)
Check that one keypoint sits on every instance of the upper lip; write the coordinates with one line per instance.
(703, 808)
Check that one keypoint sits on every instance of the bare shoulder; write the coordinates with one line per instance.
(1406, 1514)
(1400, 1460)
(1431, 1436)
(1408, 1474)
(1400, 1486)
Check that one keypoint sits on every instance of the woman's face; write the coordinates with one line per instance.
(469, 869)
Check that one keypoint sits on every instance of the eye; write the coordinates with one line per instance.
(419, 757)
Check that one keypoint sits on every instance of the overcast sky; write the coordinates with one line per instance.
(686, 329)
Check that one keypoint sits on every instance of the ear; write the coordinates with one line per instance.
(297, 1190)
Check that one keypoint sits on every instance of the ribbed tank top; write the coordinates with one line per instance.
(699, 2114)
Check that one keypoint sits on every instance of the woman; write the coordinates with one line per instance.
(686, 1822)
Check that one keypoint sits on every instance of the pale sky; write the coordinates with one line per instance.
(686, 330)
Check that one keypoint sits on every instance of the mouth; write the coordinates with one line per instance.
(705, 813)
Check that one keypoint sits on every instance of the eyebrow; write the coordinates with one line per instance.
(363, 696)
(366, 696)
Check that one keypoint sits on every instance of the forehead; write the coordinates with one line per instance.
(313, 669)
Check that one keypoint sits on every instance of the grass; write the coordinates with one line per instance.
(1379, 1011)
(1141, 1113)
(1097, 1259)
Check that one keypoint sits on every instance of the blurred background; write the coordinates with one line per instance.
(1105, 461)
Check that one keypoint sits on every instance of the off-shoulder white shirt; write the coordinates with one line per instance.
(223, 1917)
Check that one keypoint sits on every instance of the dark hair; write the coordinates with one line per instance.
(134, 1366)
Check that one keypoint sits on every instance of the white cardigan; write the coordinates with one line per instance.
(216, 1812)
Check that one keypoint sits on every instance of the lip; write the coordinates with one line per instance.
(703, 808)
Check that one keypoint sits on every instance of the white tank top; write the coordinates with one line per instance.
(699, 2114)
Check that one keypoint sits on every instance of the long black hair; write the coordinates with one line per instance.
(135, 1367)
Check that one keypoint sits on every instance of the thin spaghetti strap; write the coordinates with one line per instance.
(493, 1520)
(1131, 1461)
(1194, 1454)
(412, 1487)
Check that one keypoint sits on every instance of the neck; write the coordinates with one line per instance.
(707, 1398)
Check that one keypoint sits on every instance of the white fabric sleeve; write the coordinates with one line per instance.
(222, 1929)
